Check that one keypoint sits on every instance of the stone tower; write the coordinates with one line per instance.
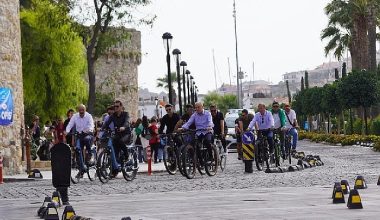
(117, 73)
(11, 77)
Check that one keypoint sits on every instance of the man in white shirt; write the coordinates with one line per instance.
(291, 125)
(84, 125)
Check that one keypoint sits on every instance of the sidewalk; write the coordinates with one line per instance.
(143, 168)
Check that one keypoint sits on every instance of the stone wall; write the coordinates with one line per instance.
(117, 71)
(11, 77)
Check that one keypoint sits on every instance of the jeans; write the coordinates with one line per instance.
(84, 141)
(207, 138)
(140, 154)
(294, 133)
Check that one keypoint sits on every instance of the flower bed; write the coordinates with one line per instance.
(344, 140)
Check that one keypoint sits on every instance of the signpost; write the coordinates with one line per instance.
(6, 107)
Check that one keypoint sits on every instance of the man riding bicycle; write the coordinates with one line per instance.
(169, 120)
(279, 124)
(218, 120)
(264, 123)
(120, 121)
(291, 125)
(203, 124)
(84, 125)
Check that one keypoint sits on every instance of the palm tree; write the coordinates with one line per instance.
(163, 83)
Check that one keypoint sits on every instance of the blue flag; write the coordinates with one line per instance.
(6, 106)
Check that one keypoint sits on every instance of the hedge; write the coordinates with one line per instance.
(344, 140)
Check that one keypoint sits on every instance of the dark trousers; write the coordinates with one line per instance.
(63, 191)
(119, 144)
(154, 149)
(85, 141)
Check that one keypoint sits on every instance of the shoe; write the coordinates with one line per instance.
(293, 151)
(79, 175)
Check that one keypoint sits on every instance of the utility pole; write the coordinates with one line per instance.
(213, 58)
(229, 69)
(237, 59)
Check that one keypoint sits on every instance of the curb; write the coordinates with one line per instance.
(13, 180)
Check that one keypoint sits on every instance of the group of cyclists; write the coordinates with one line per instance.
(205, 124)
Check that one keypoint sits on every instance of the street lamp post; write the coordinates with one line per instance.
(196, 94)
(156, 101)
(184, 65)
(167, 37)
(192, 90)
(177, 53)
(188, 86)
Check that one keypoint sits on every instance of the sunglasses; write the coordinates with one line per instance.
(243, 115)
(262, 120)
(276, 106)
(168, 109)
(116, 106)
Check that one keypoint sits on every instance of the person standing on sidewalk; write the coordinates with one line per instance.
(138, 131)
(154, 142)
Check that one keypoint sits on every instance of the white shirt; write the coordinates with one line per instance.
(85, 124)
(292, 116)
(277, 121)
(263, 121)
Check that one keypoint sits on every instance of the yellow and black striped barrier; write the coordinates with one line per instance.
(248, 151)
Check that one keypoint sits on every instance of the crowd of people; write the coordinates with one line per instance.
(145, 132)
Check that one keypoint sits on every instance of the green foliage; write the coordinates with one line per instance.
(358, 126)
(330, 103)
(375, 126)
(306, 80)
(223, 102)
(53, 61)
(358, 89)
(102, 102)
(302, 84)
(288, 90)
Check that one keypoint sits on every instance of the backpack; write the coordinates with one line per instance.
(146, 133)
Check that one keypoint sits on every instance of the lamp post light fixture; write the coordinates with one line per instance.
(183, 64)
(156, 101)
(177, 54)
(167, 38)
(188, 86)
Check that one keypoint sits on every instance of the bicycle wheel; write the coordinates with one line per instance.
(223, 161)
(130, 166)
(189, 161)
(170, 160)
(258, 159)
(75, 169)
(104, 166)
(212, 162)
(288, 149)
(179, 161)
(91, 173)
(277, 154)
(265, 154)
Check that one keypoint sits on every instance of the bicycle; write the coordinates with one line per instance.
(221, 153)
(277, 147)
(198, 155)
(80, 164)
(107, 165)
(288, 145)
(261, 151)
(172, 152)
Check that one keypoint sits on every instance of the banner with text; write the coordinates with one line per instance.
(6, 106)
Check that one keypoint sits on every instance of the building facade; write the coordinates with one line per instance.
(11, 77)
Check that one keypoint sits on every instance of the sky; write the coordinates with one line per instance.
(278, 36)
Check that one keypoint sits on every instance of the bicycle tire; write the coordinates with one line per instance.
(170, 160)
(288, 149)
(91, 173)
(277, 154)
(104, 167)
(223, 162)
(212, 162)
(258, 160)
(180, 164)
(189, 161)
(130, 166)
(265, 153)
(74, 176)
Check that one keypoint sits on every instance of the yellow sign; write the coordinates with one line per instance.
(56, 199)
(359, 182)
(338, 195)
(356, 199)
(69, 215)
(248, 151)
(343, 187)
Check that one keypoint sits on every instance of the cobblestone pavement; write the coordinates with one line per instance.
(340, 163)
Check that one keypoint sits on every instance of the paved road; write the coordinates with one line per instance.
(223, 193)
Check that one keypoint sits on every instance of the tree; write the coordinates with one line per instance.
(302, 84)
(344, 70)
(53, 61)
(306, 80)
(97, 37)
(163, 83)
(359, 89)
(336, 72)
(288, 90)
(223, 102)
